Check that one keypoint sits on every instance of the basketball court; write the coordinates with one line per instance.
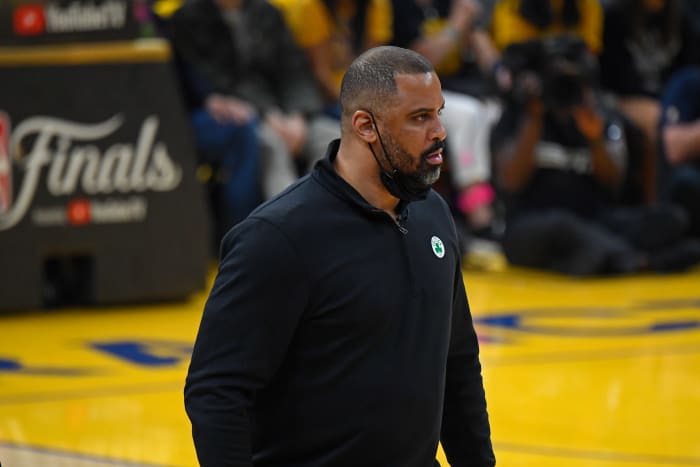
(602, 373)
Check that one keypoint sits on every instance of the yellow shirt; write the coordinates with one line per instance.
(312, 25)
(508, 26)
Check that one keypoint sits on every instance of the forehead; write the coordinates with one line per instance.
(420, 90)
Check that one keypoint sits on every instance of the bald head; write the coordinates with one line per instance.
(370, 84)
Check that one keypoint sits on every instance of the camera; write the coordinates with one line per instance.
(562, 66)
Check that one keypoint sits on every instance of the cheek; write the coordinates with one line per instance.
(415, 139)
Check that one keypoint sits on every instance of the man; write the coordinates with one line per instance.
(338, 332)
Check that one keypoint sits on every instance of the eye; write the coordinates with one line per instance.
(421, 117)
(440, 111)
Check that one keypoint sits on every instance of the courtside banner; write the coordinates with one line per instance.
(97, 163)
(42, 22)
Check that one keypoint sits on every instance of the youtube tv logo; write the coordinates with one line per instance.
(29, 20)
(78, 212)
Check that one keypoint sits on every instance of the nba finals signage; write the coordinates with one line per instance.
(99, 202)
(66, 156)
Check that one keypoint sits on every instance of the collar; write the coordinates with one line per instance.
(325, 174)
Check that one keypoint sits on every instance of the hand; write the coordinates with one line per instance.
(291, 128)
(503, 77)
(229, 109)
(589, 123)
(463, 13)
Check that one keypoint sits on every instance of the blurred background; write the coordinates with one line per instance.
(135, 133)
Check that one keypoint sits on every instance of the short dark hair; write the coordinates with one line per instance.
(370, 78)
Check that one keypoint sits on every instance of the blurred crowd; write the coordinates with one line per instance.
(573, 125)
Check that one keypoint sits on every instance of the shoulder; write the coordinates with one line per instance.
(295, 208)
(272, 230)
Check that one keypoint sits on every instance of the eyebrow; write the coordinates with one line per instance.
(426, 109)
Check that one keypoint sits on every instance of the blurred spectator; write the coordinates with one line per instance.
(559, 158)
(679, 174)
(252, 97)
(644, 42)
(517, 21)
(333, 33)
(453, 35)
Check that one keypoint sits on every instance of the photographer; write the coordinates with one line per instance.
(559, 161)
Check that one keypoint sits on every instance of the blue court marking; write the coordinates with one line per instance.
(77, 455)
(572, 356)
(632, 458)
(15, 367)
(146, 353)
(529, 321)
(110, 391)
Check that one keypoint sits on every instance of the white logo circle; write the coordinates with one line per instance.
(438, 246)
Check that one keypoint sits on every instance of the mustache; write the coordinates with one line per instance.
(437, 145)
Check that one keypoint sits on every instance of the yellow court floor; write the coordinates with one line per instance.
(578, 373)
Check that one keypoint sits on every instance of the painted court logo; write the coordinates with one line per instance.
(438, 246)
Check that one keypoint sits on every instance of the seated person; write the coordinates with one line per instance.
(333, 33)
(559, 157)
(679, 164)
(252, 96)
(517, 21)
(453, 36)
(644, 42)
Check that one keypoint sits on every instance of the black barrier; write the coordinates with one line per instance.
(98, 199)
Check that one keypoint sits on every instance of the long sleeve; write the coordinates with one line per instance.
(243, 337)
(466, 433)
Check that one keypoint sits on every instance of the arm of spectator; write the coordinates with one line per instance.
(682, 142)
(320, 59)
(436, 47)
(591, 125)
(485, 51)
(229, 109)
(515, 159)
(291, 128)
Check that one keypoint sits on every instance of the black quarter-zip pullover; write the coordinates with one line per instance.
(334, 336)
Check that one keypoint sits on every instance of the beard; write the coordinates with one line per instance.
(425, 173)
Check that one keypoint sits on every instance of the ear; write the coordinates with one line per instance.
(363, 126)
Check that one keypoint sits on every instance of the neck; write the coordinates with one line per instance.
(356, 165)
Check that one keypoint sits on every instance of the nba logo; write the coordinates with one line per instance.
(5, 165)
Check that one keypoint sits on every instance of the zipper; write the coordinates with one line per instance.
(402, 229)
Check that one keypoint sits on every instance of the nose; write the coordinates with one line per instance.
(439, 131)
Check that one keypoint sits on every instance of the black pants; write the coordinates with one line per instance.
(682, 188)
(617, 241)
